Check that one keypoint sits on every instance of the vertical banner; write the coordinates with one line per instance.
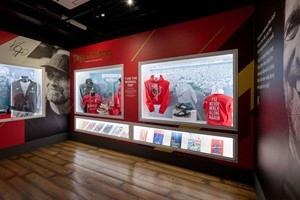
(278, 121)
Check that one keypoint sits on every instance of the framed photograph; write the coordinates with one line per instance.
(21, 92)
(99, 91)
(198, 90)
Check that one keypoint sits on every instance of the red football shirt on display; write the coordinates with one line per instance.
(218, 109)
(113, 105)
(120, 96)
(157, 93)
(91, 103)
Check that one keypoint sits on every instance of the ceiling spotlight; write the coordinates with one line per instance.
(130, 2)
(98, 16)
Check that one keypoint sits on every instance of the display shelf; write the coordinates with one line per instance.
(222, 146)
(105, 128)
(204, 143)
(99, 91)
(21, 92)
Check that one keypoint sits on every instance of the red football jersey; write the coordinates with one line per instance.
(91, 103)
(157, 93)
(120, 96)
(113, 105)
(218, 109)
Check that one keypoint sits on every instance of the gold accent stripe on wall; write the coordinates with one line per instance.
(143, 45)
(212, 39)
(163, 149)
(2, 124)
(246, 81)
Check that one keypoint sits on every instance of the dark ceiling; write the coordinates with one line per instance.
(47, 21)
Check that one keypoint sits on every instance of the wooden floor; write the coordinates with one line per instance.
(72, 170)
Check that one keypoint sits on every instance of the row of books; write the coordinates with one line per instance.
(193, 141)
(105, 128)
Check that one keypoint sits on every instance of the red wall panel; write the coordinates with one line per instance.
(11, 133)
(197, 36)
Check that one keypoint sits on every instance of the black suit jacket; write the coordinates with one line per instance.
(27, 102)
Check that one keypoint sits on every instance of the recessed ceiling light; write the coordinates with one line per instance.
(130, 2)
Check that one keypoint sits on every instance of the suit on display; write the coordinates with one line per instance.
(25, 94)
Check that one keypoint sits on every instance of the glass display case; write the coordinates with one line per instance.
(99, 91)
(21, 92)
(102, 127)
(198, 90)
(204, 143)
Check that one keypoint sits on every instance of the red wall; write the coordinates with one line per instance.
(229, 30)
(11, 133)
(14, 132)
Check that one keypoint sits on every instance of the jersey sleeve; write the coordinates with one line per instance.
(149, 101)
(83, 102)
(166, 99)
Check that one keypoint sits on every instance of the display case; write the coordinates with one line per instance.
(21, 92)
(102, 127)
(99, 91)
(198, 90)
(217, 145)
(204, 143)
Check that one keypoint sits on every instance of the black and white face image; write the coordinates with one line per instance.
(291, 72)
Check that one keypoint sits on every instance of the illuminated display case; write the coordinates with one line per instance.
(21, 92)
(102, 127)
(198, 90)
(99, 91)
(202, 143)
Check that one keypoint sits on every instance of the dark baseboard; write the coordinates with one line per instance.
(176, 159)
(32, 145)
(259, 192)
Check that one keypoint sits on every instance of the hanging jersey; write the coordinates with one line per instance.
(91, 103)
(4, 93)
(218, 109)
(157, 93)
(120, 95)
(113, 105)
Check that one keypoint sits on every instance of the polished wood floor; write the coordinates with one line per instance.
(72, 170)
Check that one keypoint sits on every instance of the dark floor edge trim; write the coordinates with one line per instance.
(259, 192)
(32, 145)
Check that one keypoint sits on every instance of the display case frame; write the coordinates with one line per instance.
(165, 137)
(99, 127)
(181, 87)
(227, 149)
(107, 84)
(22, 90)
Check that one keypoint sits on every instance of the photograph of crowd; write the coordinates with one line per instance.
(191, 81)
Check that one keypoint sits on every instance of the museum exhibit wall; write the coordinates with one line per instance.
(277, 163)
(232, 30)
(19, 57)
